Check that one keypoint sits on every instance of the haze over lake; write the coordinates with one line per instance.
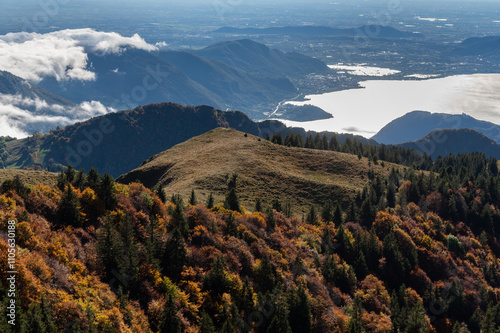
(365, 111)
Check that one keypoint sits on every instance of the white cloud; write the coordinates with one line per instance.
(19, 115)
(63, 54)
(161, 44)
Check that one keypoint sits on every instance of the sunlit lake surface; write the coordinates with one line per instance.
(362, 70)
(365, 111)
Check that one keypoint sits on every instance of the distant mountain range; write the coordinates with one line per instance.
(254, 57)
(13, 85)
(26, 108)
(374, 31)
(238, 75)
(415, 125)
(454, 141)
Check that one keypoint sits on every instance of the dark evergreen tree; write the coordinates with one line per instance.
(62, 181)
(355, 324)
(334, 143)
(153, 243)
(210, 201)
(367, 213)
(325, 144)
(391, 195)
(70, 174)
(50, 324)
(312, 217)
(216, 281)
(160, 192)
(68, 212)
(109, 246)
(106, 192)
(93, 179)
(192, 198)
(270, 219)
(79, 180)
(276, 204)
(327, 243)
(231, 226)
(309, 141)
(174, 255)
(258, 205)
(232, 202)
(130, 250)
(244, 300)
(34, 322)
(170, 321)
(277, 139)
(337, 215)
(327, 211)
(179, 219)
(279, 321)
(318, 142)
(300, 316)
(287, 210)
(206, 324)
(265, 275)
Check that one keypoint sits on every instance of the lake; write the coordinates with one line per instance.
(365, 111)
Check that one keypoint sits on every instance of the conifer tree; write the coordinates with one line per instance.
(93, 179)
(216, 281)
(153, 242)
(318, 142)
(309, 141)
(279, 322)
(47, 316)
(34, 322)
(312, 217)
(192, 198)
(391, 195)
(174, 255)
(79, 181)
(270, 219)
(258, 205)
(170, 323)
(300, 316)
(179, 218)
(109, 247)
(210, 201)
(70, 174)
(232, 202)
(160, 192)
(130, 262)
(325, 143)
(334, 143)
(231, 226)
(355, 324)
(206, 324)
(68, 212)
(265, 276)
(62, 181)
(327, 211)
(277, 205)
(106, 192)
(337, 215)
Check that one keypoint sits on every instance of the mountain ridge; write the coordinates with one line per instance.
(266, 170)
(137, 134)
(252, 56)
(442, 142)
(417, 124)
